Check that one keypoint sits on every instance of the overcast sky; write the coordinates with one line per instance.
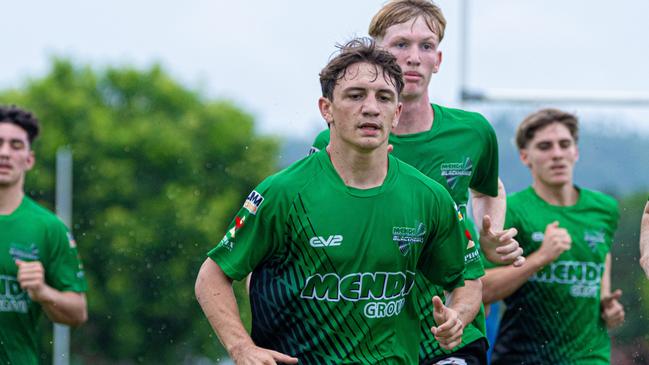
(265, 55)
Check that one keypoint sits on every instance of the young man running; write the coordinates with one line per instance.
(335, 241)
(456, 148)
(559, 303)
(40, 269)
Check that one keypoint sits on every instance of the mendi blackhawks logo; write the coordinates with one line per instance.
(452, 171)
(405, 237)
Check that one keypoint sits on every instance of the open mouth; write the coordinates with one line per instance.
(370, 127)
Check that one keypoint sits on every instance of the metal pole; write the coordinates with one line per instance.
(464, 47)
(64, 211)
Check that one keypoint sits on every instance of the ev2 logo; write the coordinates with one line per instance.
(319, 241)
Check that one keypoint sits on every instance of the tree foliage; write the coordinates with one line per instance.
(158, 173)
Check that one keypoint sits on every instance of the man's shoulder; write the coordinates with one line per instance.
(39, 214)
(597, 198)
(470, 118)
(294, 177)
(416, 179)
(520, 198)
(321, 141)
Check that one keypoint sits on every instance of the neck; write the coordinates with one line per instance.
(416, 116)
(359, 168)
(561, 195)
(10, 198)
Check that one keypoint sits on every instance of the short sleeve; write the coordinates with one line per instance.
(253, 234)
(485, 177)
(321, 141)
(442, 259)
(63, 269)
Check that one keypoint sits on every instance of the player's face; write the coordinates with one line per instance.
(551, 155)
(365, 107)
(415, 47)
(15, 155)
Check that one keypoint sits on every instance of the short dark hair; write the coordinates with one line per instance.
(356, 51)
(22, 118)
(542, 118)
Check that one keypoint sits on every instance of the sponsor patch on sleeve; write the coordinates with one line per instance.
(71, 241)
(253, 202)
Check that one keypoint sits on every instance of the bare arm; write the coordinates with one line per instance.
(462, 305)
(501, 282)
(644, 240)
(612, 310)
(494, 207)
(215, 295)
(64, 307)
(498, 245)
(466, 300)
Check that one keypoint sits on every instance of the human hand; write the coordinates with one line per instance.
(449, 329)
(250, 354)
(555, 241)
(499, 245)
(31, 278)
(612, 309)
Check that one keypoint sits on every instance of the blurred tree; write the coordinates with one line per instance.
(627, 274)
(158, 173)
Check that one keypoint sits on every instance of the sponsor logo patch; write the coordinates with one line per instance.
(405, 237)
(73, 243)
(24, 252)
(452, 171)
(594, 238)
(331, 241)
(538, 236)
(253, 202)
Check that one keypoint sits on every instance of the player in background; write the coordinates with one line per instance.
(559, 304)
(40, 270)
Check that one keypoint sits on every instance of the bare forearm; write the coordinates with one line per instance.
(644, 232)
(501, 282)
(216, 297)
(494, 207)
(605, 288)
(466, 300)
(64, 307)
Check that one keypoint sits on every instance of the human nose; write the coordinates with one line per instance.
(413, 57)
(556, 152)
(4, 148)
(370, 106)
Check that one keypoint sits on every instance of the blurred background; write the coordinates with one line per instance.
(174, 112)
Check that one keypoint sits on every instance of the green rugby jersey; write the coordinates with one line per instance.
(32, 233)
(460, 151)
(333, 267)
(554, 318)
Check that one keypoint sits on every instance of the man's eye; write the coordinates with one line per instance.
(565, 144)
(427, 46)
(543, 146)
(401, 45)
(17, 145)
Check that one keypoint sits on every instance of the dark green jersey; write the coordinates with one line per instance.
(460, 151)
(333, 266)
(554, 318)
(31, 233)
